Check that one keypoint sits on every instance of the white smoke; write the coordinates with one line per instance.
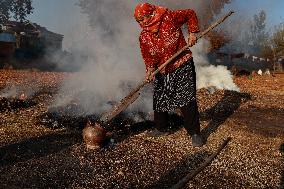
(114, 65)
(209, 75)
(15, 90)
(10, 91)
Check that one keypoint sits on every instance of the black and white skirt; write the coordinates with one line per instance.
(176, 89)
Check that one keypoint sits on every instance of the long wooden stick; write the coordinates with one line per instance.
(191, 175)
(187, 46)
(134, 94)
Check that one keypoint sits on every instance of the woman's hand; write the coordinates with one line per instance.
(192, 39)
(148, 77)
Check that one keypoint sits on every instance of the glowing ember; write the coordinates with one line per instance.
(23, 96)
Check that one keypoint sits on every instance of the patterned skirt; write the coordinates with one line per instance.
(176, 89)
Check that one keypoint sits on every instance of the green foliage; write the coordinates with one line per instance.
(19, 9)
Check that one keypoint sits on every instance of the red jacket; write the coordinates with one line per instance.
(157, 48)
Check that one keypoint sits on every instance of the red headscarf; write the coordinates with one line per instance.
(156, 12)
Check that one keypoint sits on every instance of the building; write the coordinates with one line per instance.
(7, 44)
(280, 64)
(243, 61)
(31, 40)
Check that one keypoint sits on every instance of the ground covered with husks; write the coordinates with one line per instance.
(34, 155)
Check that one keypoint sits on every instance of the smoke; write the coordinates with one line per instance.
(238, 27)
(114, 65)
(10, 91)
(209, 75)
(15, 91)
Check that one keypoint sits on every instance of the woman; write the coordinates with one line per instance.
(175, 85)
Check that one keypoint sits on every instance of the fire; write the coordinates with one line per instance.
(23, 96)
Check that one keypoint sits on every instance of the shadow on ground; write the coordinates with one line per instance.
(223, 110)
(124, 128)
(267, 122)
(179, 170)
(37, 147)
(282, 176)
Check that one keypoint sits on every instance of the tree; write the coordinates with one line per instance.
(209, 10)
(278, 40)
(258, 36)
(274, 46)
(19, 9)
(218, 39)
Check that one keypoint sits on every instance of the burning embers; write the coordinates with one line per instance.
(14, 97)
(95, 135)
(21, 100)
(72, 116)
(69, 116)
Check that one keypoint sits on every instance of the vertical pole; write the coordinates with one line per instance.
(274, 60)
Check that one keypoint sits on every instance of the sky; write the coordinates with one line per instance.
(56, 15)
(273, 9)
(62, 16)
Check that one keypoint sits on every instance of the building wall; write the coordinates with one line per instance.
(240, 60)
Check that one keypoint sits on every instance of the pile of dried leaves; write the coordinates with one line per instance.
(36, 156)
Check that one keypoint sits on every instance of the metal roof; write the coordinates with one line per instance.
(7, 37)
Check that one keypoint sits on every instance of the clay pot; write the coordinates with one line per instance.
(94, 135)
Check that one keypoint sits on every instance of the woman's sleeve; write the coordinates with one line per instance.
(186, 16)
(148, 58)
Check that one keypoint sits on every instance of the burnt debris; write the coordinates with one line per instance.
(70, 116)
(16, 103)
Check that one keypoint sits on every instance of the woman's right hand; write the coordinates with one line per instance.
(149, 72)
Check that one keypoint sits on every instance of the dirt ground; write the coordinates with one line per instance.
(33, 155)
